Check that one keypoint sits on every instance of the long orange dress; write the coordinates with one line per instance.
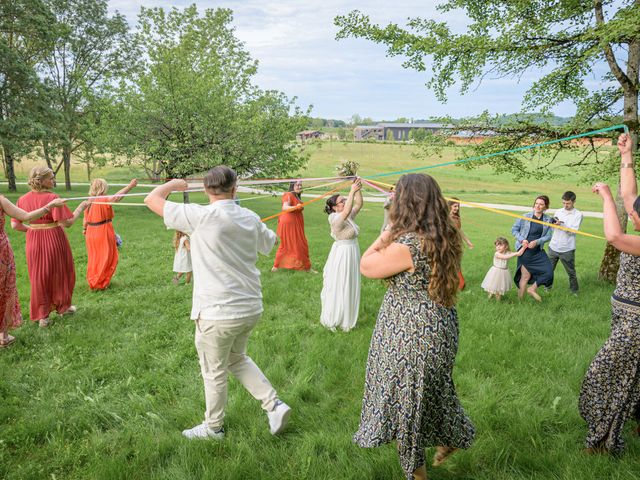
(293, 252)
(102, 252)
(49, 259)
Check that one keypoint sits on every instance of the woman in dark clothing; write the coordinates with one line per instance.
(534, 267)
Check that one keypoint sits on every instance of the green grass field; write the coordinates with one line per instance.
(106, 393)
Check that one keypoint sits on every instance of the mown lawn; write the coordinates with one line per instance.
(106, 393)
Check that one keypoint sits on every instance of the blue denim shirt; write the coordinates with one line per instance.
(520, 230)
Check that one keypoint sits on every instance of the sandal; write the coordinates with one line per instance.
(442, 455)
(6, 341)
(71, 310)
(44, 322)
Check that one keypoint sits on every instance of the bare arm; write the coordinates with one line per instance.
(628, 185)
(357, 200)
(612, 231)
(507, 256)
(76, 214)
(466, 239)
(379, 261)
(118, 196)
(24, 216)
(158, 196)
(349, 204)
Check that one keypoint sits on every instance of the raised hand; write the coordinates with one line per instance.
(624, 144)
(133, 183)
(601, 189)
(178, 185)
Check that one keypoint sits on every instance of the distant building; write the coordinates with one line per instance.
(309, 134)
(399, 131)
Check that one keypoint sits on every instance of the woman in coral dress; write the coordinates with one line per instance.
(49, 260)
(100, 237)
(293, 252)
(10, 316)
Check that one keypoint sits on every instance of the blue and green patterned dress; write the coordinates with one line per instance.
(409, 393)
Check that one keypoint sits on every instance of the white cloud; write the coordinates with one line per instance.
(295, 45)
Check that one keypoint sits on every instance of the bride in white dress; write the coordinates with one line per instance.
(341, 276)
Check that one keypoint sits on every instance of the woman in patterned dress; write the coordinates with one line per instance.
(409, 393)
(293, 251)
(49, 260)
(610, 392)
(10, 316)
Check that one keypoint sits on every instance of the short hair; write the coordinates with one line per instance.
(569, 196)
(220, 179)
(99, 186)
(545, 199)
(37, 175)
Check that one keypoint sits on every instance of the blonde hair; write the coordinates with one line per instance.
(37, 175)
(176, 238)
(98, 187)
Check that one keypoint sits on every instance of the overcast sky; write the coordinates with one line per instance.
(294, 42)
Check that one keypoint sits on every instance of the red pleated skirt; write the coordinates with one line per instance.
(51, 272)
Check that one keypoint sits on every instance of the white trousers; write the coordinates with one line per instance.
(222, 349)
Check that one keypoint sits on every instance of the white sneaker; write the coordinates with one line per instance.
(203, 432)
(278, 417)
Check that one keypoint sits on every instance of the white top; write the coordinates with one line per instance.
(500, 263)
(182, 257)
(225, 240)
(563, 241)
(343, 229)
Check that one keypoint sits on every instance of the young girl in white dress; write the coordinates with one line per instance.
(498, 281)
(182, 257)
(341, 276)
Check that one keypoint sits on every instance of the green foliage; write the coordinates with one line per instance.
(26, 30)
(190, 104)
(347, 168)
(564, 40)
(104, 394)
(91, 49)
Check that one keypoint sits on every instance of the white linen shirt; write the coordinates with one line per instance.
(563, 241)
(225, 240)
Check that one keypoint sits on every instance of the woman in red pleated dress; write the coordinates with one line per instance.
(293, 252)
(100, 237)
(49, 260)
(10, 316)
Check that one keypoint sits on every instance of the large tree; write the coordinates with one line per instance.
(191, 104)
(91, 50)
(26, 30)
(566, 42)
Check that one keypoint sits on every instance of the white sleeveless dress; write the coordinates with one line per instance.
(182, 258)
(341, 276)
(498, 279)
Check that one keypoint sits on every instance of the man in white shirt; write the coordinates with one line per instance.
(563, 244)
(227, 296)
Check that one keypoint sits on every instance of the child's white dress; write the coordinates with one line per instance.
(182, 257)
(498, 279)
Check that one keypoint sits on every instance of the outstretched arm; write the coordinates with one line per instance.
(628, 185)
(158, 196)
(66, 223)
(612, 231)
(118, 196)
(22, 215)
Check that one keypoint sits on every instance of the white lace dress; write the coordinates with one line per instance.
(498, 279)
(341, 276)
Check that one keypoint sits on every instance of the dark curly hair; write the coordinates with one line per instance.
(420, 208)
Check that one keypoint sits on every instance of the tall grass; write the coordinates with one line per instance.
(105, 394)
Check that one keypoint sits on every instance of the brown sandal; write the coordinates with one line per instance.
(442, 455)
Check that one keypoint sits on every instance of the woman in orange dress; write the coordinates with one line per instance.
(100, 237)
(10, 316)
(293, 252)
(49, 260)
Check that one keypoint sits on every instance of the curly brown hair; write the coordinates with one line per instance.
(176, 239)
(420, 208)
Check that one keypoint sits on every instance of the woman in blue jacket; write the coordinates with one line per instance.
(534, 267)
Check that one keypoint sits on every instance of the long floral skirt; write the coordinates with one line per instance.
(610, 392)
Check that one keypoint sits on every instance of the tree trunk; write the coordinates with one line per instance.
(66, 160)
(45, 151)
(10, 172)
(88, 170)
